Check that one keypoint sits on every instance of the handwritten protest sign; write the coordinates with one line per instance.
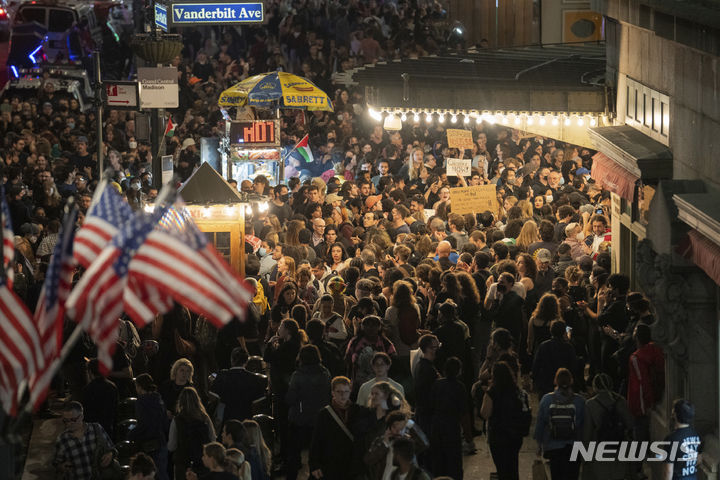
(459, 167)
(477, 199)
(458, 138)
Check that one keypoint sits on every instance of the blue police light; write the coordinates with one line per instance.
(32, 55)
(14, 71)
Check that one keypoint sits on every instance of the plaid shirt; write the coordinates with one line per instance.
(80, 452)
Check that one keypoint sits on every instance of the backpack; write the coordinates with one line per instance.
(612, 427)
(519, 426)
(408, 323)
(562, 420)
(260, 300)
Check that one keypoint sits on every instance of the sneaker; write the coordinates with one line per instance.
(469, 448)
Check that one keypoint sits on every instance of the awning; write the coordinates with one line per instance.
(701, 211)
(636, 152)
(613, 177)
(705, 254)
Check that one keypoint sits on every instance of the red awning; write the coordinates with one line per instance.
(705, 254)
(613, 177)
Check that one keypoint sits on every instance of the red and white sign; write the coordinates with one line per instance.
(121, 94)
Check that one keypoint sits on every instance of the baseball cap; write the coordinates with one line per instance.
(82, 139)
(372, 200)
(543, 255)
(582, 171)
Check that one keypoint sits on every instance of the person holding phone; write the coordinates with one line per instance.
(600, 233)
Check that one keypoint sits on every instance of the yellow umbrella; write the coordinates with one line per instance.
(276, 90)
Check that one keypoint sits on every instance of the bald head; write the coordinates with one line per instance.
(444, 248)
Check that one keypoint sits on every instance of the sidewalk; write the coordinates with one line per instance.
(38, 465)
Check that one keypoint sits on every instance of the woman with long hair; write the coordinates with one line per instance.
(286, 272)
(403, 320)
(216, 462)
(258, 452)
(506, 407)
(189, 431)
(528, 235)
(181, 376)
(293, 232)
(527, 272)
(546, 311)
(526, 209)
(555, 439)
(285, 302)
(337, 257)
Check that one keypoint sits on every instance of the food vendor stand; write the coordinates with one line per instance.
(254, 149)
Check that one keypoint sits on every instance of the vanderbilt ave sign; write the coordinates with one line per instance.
(216, 13)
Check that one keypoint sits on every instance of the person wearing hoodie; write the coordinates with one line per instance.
(151, 432)
(308, 393)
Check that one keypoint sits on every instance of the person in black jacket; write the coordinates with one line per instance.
(238, 388)
(100, 399)
(552, 354)
(448, 404)
(308, 393)
(424, 375)
(330, 354)
(151, 432)
(281, 353)
(339, 427)
(505, 306)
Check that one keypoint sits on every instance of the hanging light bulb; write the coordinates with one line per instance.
(502, 119)
(416, 118)
(530, 120)
(517, 119)
(453, 119)
(593, 122)
(555, 121)
(428, 117)
(567, 121)
(441, 118)
(467, 119)
(580, 121)
(403, 117)
(542, 120)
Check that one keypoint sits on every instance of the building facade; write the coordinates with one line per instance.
(661, 161)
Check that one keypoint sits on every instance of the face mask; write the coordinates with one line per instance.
(132, 145)
(135, 186)
(548, 198)
(562, 181)
(71, 126)
(285, 197)
(262, 252)
(149, 179)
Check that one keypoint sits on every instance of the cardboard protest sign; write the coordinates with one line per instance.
(459, 138)
(477, 199)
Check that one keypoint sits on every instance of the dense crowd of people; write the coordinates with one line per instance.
(386, 331)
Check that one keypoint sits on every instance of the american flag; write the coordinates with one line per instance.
(20, 351)
(50, 312)
(178, 260)
(96, 302)
(104, 219)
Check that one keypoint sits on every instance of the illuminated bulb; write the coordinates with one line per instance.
(416, 118)
(262, 207)
(580, 122)
(375, 115)
(491, 120)
(541, 121)
(555, 121)
(517, 120)
(530, 120)
(593, 122)
(441, 118)
(453, 119)
(229, 211)
(403, 117)
(567, 121)
(502, 119)
(428, 118)
(206, 212)
(467, 120)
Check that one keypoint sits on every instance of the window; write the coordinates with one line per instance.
(221, 241)
(31, 14)
(60, 20)
(647, 110)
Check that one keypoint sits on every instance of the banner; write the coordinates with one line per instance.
(458, 138)
(477, 199)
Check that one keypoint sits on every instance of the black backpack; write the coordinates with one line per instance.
(562, 419)
(612, 427)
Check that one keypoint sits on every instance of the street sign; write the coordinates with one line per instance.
(216, 13)
(161, 16)
(121, 94)
(158, 87)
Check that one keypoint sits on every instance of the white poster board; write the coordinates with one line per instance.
(458, 167)
(158, 87)
(167, 168)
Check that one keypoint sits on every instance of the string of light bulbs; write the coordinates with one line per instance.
(510, 118)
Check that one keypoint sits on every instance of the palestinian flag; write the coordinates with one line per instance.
(170, 129)
(303, 149)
